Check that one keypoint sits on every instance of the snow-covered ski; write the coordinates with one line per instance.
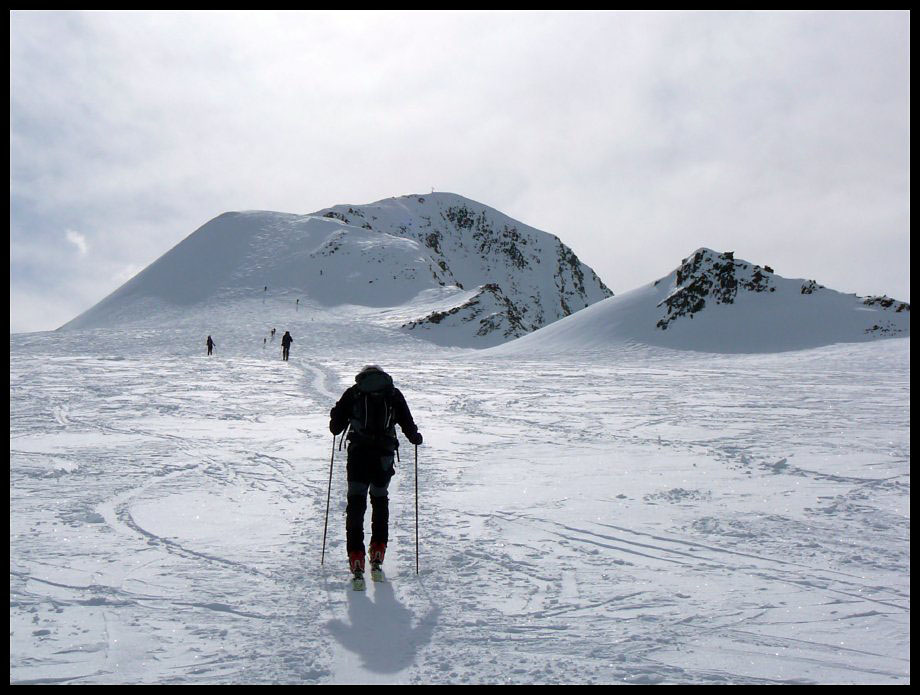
(357, 581)
(377, 574)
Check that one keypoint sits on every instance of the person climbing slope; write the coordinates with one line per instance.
(370, 410)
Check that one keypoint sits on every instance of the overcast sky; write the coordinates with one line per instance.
(635, 137)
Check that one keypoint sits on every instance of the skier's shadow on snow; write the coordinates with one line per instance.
(383, 632)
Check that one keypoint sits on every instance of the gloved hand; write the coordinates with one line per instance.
(335, 430)
(415, 438)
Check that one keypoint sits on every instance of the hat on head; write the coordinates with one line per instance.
(367, 369)
(372, 378)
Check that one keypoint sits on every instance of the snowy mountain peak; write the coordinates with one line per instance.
(522, 278)
(718, 278)
(713, 302)
(713, 276)
(444, 267)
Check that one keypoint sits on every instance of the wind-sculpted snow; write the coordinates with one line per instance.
(629, 515)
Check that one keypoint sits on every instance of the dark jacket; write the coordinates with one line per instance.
(371, 381)
(287, 340)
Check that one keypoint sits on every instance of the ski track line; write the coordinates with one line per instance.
(117, 514)
(774, 640)
(103, 595)
(829, 649)
(109, 509)
(322, 382)
(815, 571)
(124, 514)
(821, 583)
(690, 631)
(665, 539)
(694, 544)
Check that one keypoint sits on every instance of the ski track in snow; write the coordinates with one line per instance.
(638, 516)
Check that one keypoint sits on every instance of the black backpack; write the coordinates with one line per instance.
(373, 417)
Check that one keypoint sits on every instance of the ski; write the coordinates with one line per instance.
(377, 573)
(357, 581)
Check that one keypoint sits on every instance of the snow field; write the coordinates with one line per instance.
(632, 515)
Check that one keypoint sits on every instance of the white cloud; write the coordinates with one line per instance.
(78, 240)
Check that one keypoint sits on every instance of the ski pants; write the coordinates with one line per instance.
(369, 471)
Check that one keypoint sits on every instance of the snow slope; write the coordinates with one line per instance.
(628, 515)
(454, 271)
(715, 303)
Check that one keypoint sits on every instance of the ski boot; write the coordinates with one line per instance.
(377, 551)
(356, 565)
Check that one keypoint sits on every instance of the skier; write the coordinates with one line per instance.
(286, 341)
(210, 344)
(371, 409)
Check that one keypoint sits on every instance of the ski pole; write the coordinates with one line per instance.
(416, 508)
(328, 496)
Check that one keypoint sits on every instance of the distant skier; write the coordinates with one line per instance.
(210, 345)
(286, 341)
(273, 334)
(371, 409)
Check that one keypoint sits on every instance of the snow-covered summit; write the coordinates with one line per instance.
(714, 302)
(522, 278)
(459, 272)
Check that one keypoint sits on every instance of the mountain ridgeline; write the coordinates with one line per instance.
(454, 272)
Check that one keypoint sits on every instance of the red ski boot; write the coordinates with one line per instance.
(377, 551)
(356, 565)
